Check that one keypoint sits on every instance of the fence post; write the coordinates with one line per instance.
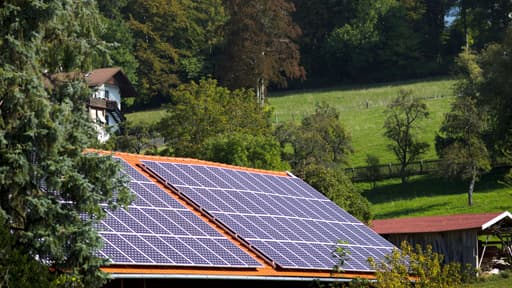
(390, 171)
(421, 167)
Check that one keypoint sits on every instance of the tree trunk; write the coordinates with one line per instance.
(403, 174)
(471, 187)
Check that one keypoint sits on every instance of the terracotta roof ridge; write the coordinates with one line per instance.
(185, 160)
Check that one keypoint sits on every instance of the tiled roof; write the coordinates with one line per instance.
(437, 223)
(101, 76)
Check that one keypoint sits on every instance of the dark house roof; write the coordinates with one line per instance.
(96, 77)
(429, 224)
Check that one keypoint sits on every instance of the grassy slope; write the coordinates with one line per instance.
(364, 123)
(425, 195)
(146, 117)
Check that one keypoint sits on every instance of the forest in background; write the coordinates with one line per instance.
(279, 44)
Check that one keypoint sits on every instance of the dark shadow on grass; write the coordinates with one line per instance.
(424, 186)
(357, 87)
(409, 211)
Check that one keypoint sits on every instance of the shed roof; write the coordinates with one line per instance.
(438, 223)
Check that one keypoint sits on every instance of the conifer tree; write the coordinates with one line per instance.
(51, 192)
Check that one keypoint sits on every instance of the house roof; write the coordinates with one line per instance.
(429, 224)
(94, 78)
(101, 76)
(154, 173)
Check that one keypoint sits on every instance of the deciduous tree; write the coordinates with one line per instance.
(320, 139)
(204, 109)
(403, 115)
(260, 46)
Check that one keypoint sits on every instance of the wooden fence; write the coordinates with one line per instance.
(386, 171)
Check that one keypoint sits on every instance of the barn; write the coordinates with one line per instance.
(202, 223)
(464, 238)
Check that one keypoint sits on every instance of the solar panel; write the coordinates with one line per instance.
(281, 217)
(157, 229)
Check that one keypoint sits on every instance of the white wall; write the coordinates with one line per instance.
(113, 93)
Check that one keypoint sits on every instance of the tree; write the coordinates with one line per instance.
(244, 149)
(135, 138)
(203, 110)
(402, 117)
(51, 192)
(423, 265)
(336, 186)
(173, 40)
(260, 46)
(320, 139)
(461, 146)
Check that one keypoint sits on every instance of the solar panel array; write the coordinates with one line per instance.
(282, 218)
(157, 229)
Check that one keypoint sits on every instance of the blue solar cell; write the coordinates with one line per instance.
(114, 254)
(247, 203)
(232, 224)
(289, 255)
(162, 196)
(131, 172)
(166, 222)
(147, 249)
(148, 222)
(214, 178)
(241, 177)
(273, 254)
(222, 174)
(197, 246)
(277, 203)
(172, 254)
(231, 202)
(302, 234)
(257, 198)
(244, 257)
(177, 174)
(260, 233)
(128, 249)
(176, 219)
(274, 222)
(198, 198)
(196, 176)
(188, 252)
(222, 252)
(256, 221)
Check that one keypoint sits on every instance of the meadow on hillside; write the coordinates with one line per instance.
(362, 112)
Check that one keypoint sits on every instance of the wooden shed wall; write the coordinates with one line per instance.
(456, 246)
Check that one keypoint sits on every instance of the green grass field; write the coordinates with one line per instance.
(366, 124)
(147, 116)
(428, 195)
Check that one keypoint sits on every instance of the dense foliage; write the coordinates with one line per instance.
(204, 110)
(51, 193)
(265, 44)
(424, 265)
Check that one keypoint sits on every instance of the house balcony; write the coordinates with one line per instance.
(109, 105)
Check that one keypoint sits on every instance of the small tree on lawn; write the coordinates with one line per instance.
(403, 115)
(465, 154)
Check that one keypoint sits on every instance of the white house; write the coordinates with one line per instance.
(110, 85)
